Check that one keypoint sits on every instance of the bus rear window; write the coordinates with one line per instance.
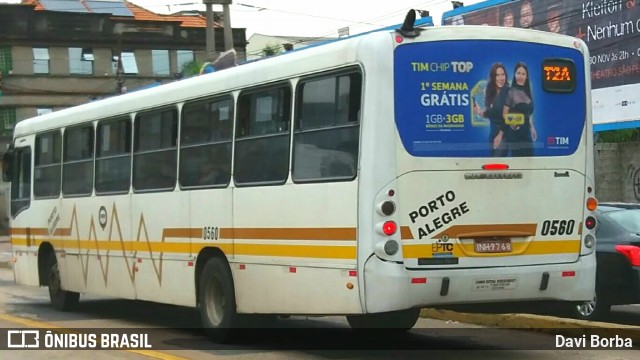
(489, 98)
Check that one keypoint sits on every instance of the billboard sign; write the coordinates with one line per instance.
(471, 98)
(610, 28)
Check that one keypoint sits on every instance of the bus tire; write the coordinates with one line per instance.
(398, 321)
(61, 300)
(217, 300)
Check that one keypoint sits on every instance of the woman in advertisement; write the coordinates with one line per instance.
(518, 109)
(495, 94)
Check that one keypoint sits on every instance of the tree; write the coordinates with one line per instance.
(271, 50)
(618, 136)
(192, 68)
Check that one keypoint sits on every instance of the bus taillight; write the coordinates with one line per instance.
(389, 228)
(495, 167)
(590, 222)
(592, 204)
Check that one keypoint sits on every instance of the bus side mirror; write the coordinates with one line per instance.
(7, 166)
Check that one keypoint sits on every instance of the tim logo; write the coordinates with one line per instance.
(23, 339)
(557, 140)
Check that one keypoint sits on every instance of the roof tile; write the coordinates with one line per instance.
(142, 14)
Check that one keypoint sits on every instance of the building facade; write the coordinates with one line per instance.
(60, 53)
(56, 54)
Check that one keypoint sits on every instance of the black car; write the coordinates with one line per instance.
(618, 258)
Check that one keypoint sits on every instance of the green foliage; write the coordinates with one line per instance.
(271, 50)
(618, 136)
(191, 68)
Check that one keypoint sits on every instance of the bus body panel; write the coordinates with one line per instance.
(446, 219)
(306, 255)
(551, 188)
(466, 286)
(96, 245)
(160, 242)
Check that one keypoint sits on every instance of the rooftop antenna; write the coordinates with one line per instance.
(408, 29)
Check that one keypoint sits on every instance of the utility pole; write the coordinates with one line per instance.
(210, 34)
(119, 68)
(226, 18)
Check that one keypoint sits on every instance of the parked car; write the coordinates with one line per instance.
(618, 257)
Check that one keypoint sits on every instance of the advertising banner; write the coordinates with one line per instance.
(611, 29)
(480, 98)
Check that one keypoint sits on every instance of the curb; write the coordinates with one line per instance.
(538, 323)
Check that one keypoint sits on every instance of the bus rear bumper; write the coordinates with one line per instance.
(390, 286)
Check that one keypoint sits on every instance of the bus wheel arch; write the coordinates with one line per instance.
(216, 299)
(62, 300)
(45, 256)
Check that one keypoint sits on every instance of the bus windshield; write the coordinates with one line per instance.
(484, 98)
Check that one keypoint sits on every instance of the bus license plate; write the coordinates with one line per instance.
(493, 245)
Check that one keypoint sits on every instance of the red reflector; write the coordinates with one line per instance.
(418, 280)
(389, 228)
(292, 269)
(630, 252)
(243, 266)
(399, 39)
(568, 273)
(353, 273)
(190, 263)
(139, 260)
(495, 167)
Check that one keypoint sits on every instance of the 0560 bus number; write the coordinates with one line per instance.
(210, 233)
(558, 227)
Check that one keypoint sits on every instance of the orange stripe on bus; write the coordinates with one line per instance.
(182, 233)
(62, 232)
(340, 234)
(159, 248)
(405, 233)
(29, 231)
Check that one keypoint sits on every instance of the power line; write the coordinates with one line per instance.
(388, 15)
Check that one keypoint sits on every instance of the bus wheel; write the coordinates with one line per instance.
(62, 300)
(217, 300)
(399, 321)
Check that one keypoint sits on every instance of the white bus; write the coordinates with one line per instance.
(355, 178)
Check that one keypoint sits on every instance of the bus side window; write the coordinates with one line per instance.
(113, 156)
(327, 128)
(77, 168)
(20, 180)
(262, 136)
(46, 177)
(205, 145)
(155, 152)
